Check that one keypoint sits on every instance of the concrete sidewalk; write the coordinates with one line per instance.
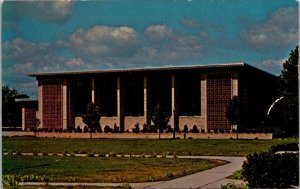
(212, 178)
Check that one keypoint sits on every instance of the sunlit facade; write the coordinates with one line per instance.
(191, 95)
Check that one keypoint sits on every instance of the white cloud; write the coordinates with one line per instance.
(273, 65)
(18, 49)
(23, 68)
(102, 47)
(104, 41)
(22, 57)
(170, 45)
(274, 62)
(280, 30)
(158, 33)
(50, 11)
(75, 62)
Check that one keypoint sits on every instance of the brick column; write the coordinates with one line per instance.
(146, 102)
(23, 118)
(234, 84)
(39, 113)
(174, 117)
(203, 102)
(71, 106)
(93, 90)
(120, 105)
(64, 104)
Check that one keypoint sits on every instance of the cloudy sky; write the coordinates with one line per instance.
(49, 36)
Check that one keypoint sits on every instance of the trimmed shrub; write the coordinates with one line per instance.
(268, 170)
(145, 128)
(107, 129)
(85, 129)
(152, 129)
(116, 129)
(136, 128)
(234, 186)
(169, 129)
(13, 180)
(195, 129)
(10, 180)
(78, 129)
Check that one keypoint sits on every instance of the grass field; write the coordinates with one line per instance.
(92, 169)
(113, 169)
(227, 147)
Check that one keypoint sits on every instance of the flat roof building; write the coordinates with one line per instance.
(191, 95)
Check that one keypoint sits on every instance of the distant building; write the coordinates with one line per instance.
(28, 108)
(192, 95)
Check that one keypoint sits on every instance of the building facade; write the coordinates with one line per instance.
(191, 95)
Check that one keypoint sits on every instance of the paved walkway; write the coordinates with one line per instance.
(212, 178)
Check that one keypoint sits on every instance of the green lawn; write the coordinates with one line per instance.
(95, 169)
(227, 147)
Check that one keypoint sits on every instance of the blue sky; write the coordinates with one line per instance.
(49, 36)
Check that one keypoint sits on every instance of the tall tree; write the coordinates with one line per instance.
(290, 91)
(10, 110)
(92, 117)
(160, 118)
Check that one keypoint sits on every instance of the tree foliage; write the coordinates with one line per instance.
(233, 111)
(268, 170)
(160, 118)
(92, 117)
(10, 110)
(290, 91)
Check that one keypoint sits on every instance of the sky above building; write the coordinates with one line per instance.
(50, 36)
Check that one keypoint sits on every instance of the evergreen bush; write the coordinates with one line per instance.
(268, 170)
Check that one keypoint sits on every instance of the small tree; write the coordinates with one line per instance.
(233, 112)
(290, 90)
(10, 114)
(92, 117)
(160, 118)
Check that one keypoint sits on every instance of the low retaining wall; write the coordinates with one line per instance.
(145, 135)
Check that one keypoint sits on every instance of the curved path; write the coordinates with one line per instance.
(212, 178)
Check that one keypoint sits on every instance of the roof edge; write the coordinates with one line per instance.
(25, 100)
(237, 64)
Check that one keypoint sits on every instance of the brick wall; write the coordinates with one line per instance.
(52, 104)
(218, 96)
(30, 115)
